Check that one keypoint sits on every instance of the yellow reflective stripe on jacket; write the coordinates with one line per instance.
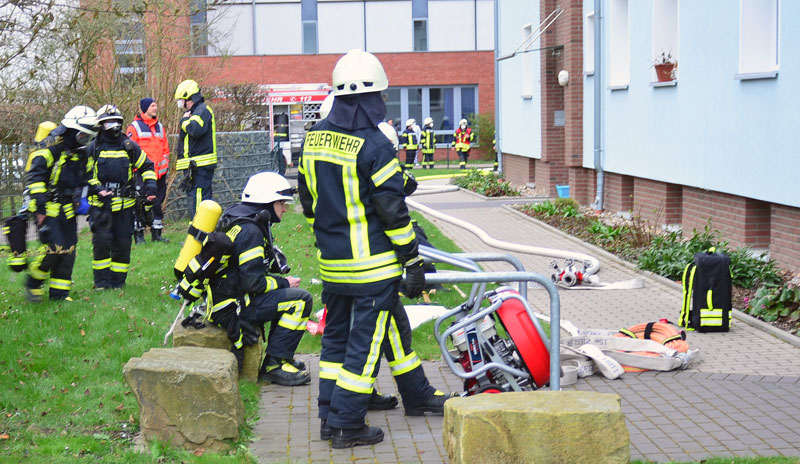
(205, 160)
(272, 284)
(360, 270)
(182, 164)
(329, 370)
(44, 153)
(37, 187)
(402, 236)
(196, 118)
(356, 215)
(386, 172)
(251, 254)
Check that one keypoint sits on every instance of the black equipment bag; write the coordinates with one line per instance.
(707, 293)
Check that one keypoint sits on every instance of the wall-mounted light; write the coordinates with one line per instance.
(563, 78)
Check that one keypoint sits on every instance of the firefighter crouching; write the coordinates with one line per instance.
(247, 292)
(112, 197)
(351, 189)
(54, 177)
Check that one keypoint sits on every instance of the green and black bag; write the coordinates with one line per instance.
(707, 293)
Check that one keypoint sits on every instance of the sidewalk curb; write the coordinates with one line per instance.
(483, 197)
(746, 318)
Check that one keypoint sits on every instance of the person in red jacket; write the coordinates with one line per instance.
(151, 136)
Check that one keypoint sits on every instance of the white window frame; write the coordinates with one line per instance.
(588, 44)
(619, 45)
(527, 62)
(759, 38)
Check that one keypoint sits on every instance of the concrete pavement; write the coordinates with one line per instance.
(739, 400)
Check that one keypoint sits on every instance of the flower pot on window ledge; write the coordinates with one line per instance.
(665, 72)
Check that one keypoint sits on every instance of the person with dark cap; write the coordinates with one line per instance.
(149, 133)
(351, 190)
(198, 153)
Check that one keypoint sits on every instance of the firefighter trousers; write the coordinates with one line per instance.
(403, 361)
(410, 156)
(287, 309)
(350, 357)
(463, 157)
(200, 188)
(111, 240)
(56, 258)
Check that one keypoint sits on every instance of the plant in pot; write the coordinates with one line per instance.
(665, 66)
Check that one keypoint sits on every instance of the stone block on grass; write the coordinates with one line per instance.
(212, 336)
(536, 427)
(188, 396)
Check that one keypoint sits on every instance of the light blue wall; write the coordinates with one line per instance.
(711, 130)
(519, 127)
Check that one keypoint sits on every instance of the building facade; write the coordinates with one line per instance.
(438, 54)
(713, 140)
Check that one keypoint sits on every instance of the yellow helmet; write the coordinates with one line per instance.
(186, 89)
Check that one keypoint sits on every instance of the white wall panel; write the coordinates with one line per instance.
(278, 29)
(451, 26)
(340, 26)
(485, 25)
(231, 30)
(389, 27)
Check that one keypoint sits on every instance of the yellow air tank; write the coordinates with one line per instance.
(44, 130)
(205, 219)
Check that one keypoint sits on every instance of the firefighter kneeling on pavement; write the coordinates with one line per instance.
(112, 197)
(246, 293)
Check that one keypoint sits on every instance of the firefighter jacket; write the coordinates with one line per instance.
(55, 177)
(151, 137)
(428, 140)
(409, 139)
(198, 138)
(246, 273)
(351, 190)
(114, 161)
(462, 139)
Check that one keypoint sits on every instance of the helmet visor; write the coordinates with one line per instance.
(111, 125)
(83, 138)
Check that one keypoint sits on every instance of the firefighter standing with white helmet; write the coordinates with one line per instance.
(55, 176)
(410, 142)
(198, 152)
(427, 143)
(462, 140)
(351, 173)
(112, 197)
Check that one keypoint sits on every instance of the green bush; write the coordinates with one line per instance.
(486, 183)
(770, 303)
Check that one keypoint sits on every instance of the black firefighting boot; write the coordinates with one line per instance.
(434, 404)
(378, 402)
(348, 438)
(282, 372)
(155, 235)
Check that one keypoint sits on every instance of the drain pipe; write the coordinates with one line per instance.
(598, 100)
(497, 86)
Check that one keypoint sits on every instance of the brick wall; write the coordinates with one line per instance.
(582, 183)
(742, 221)
(657, 202)
(518, 170)
(617, 192)
(784, 246)
(402, 69)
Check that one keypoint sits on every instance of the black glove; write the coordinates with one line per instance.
(415, 277)
(250, 334)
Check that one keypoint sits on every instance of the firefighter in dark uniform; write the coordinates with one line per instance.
(112, 197)
(198, 142)
(351, 188)
(462, 140)
(410, 143)
(428, 143)
(55, 175)
(249, 293)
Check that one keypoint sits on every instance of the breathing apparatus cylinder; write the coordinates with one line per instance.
(205, 220)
